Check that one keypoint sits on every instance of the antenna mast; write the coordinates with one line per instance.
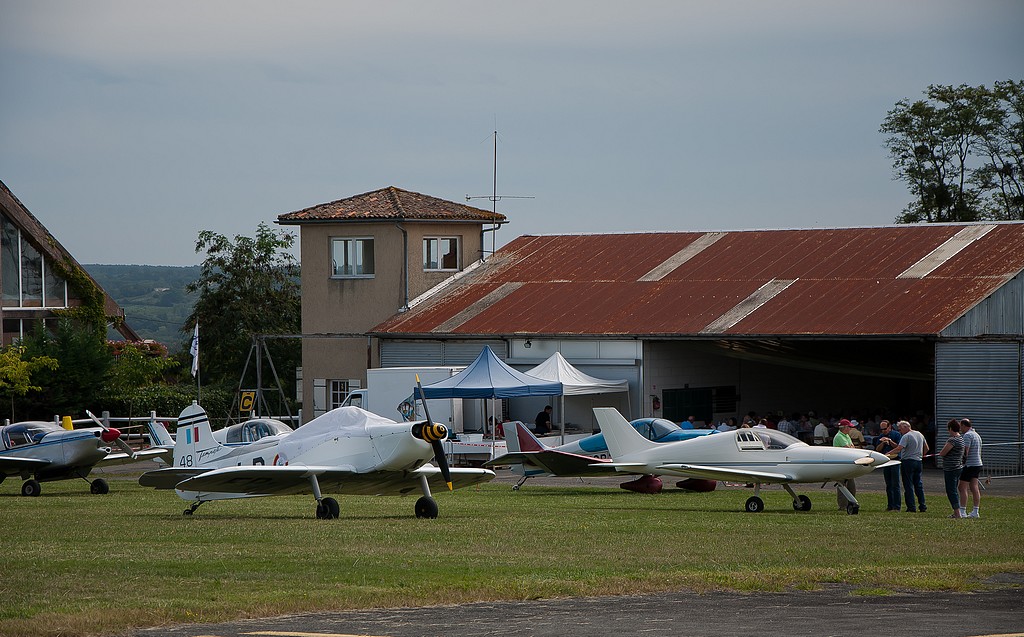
(494, 198)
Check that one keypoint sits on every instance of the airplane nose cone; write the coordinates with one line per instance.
(110, 435)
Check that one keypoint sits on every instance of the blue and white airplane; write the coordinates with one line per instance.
(346, 450)
(40, 451)
(528, 456)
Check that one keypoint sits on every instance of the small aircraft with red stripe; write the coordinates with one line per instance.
(346, 450)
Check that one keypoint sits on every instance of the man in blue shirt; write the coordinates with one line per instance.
(887, 442)
(912, 448)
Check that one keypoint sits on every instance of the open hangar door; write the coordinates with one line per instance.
(849, 377)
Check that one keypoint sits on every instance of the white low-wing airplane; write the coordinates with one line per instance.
(347, 450)
(760, 456)
(40, 451)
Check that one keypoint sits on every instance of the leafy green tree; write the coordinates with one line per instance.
(959, 151)
(247, 286)
(77, 383)
(136, 369)
(16, 372)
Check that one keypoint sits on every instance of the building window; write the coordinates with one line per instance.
(339, 389)
(28, 279)
(352, 257)
(441, 253)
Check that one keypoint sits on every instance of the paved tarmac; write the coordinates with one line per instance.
(833, 611)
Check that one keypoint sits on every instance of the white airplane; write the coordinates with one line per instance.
(760, 456)
(40, 451)
(346, 450)
(528, 456)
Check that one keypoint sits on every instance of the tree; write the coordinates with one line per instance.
(959, 152)
(137, 367)
(77, 383)
(16, 372)
(246, 287)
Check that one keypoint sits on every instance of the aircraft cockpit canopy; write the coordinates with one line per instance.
(253, 430)
(655, 428)
(761, 439)
(27, 433)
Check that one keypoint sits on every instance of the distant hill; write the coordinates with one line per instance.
(153, 297)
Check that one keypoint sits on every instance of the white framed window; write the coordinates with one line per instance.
(352, 257)
(29, 280)
(441, 253)
(339, 389)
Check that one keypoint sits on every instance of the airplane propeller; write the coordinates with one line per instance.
(433, 433)
(111, 434)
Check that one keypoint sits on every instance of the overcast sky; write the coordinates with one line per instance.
(127, 127)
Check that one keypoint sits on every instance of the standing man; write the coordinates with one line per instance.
(843, 439)
(912, 448)
(969, 481)
(887, 443)
(542, 423)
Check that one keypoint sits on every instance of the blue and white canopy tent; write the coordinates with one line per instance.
(489, 377)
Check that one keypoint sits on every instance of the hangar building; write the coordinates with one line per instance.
(918, 321)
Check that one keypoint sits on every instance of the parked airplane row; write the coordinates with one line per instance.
(352, 451)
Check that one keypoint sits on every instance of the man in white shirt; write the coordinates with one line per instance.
(969, 478)
(821, 433)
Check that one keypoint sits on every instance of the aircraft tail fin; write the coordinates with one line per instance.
(194, 436)
(518, 438)
(622, 439)
(158, 436)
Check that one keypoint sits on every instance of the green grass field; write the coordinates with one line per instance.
(79, 564)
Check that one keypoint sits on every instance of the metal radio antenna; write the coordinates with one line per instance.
(494, 198)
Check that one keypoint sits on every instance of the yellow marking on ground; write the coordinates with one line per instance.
(291, 633)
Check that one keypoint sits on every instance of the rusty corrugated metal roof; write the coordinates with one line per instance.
(912, 280)
(390, 203)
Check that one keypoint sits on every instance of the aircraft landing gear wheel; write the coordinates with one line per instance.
(802, 503)
(99, 486)
(754, 504)
(426, 508)
(328, 509)
(515, 487)
(31, 489)
(852, 509)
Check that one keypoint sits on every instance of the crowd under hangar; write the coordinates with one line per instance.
(909, 319)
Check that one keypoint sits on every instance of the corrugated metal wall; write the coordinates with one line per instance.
(982, 381)
(1000, 313)
(425, 353)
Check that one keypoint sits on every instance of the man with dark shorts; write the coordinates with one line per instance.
(969, 482)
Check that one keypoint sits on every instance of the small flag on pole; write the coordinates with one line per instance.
(194, 351)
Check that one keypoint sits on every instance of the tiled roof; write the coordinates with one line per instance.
(910, 280)
(390, 204)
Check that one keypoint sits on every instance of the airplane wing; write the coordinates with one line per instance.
(723, 473)
(9, 464)
(558, 463)
(168, 478)
(295, 479)
(152, 453)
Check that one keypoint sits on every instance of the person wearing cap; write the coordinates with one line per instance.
(856, 436)
(912, 449)
(969, 478)
(888, 440)
(842, 439)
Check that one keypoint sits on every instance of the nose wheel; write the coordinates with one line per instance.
(754, 504)
(426, 507)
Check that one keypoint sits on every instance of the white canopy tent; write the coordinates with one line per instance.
(574, 382)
